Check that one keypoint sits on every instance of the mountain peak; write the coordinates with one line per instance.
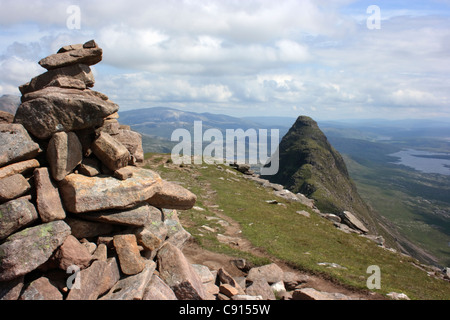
(310, 165)
(305, 121)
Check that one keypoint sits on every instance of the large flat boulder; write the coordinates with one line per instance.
(87, 56)
(19, 167)
(16, 144)
(83, 194)
(349, 219)
(77, 76)
(139, 216)
(53, 109)
(26, 250)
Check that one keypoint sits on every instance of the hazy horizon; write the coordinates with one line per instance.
(330, 60)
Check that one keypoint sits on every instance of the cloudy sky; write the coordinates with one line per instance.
(320, 58)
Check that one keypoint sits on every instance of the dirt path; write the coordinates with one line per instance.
(213, 260)
(232, 236)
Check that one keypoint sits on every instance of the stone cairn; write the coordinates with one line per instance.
(79, 218)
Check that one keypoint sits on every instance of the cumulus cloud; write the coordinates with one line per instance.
(242, 57)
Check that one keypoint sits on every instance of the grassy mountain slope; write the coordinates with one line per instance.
(416, 203)
(280, 232)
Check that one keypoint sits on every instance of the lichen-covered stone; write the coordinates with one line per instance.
(16, 214)
(26, 250)
(16, 144)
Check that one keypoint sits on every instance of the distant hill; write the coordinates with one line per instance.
(9, 103)
(161, 121)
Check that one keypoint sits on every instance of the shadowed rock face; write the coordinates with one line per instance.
(311, 166)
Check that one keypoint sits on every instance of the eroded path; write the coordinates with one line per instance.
(231, 235)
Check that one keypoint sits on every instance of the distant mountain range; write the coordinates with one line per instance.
(9, 103)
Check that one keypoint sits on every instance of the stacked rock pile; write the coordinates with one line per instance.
(79, 219)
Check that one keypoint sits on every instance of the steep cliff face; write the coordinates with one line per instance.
(311, 166)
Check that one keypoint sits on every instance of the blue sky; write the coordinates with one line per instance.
(243, 58)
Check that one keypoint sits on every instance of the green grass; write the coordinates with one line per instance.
(302, 242)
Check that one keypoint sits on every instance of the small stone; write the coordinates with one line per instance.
(41, 289)
(89, 167)
(127, 250)
(313, 294)
(204, 273)
(173, 196)
(176, 234)
(13, 187)
(152, 236)
(246, 297)
(100, 253)
(110, 152)
(95, 280)
(228, 290)
(272, 273)
(349, 219)
(10, 290)
(16, 214)
(85, 194)
(158, 290)
(16, 144)
(110, 126)
(64, 153)
(78, 76)
(139, 216)
(72, 252)
(133, 142)
(132, 287)
(6, 117)
(47, 197)
(398, 296)
(123, 173)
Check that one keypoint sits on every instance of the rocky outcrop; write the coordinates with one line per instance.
(310, 165)
(79, 220)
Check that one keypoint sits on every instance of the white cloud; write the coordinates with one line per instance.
(243, 56)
